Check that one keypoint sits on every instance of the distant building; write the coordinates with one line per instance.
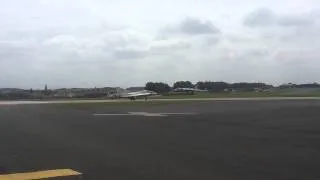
(64, 93)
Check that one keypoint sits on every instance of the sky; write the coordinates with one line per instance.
(97, 43)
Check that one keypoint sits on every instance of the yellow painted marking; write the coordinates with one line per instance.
(40, 174)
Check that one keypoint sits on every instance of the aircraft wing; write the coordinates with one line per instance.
(137, 94)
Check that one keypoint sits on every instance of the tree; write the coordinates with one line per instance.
(309, 85)
(212, 86)
(183, 84)
(158, 87)
(150, 86)
(221, 86)
(249, 86)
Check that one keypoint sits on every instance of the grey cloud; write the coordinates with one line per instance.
(169, 45)
(155, 48)
(242, 38)
(196, 26)
(38, 35)
(212, 40)
(297, 56)
(267, 18)
(63, 49)
(297, 65)
(261, 17)
(256, 53)
(16, 51)
(129, 53)
(189, 27)
(295, 20)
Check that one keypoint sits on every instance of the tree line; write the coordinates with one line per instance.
(213, 86)
(313, 85)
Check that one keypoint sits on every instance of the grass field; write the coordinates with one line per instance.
(276, 93)
(174, 98)
(120, 103)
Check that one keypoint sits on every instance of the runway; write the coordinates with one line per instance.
(214, 139)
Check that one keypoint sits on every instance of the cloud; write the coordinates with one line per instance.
(296, 20)
(297, 56)
(128, 57)
(98, 59)
(260, 18)
(186, 34)
(172, 45)
(286, 30)
(46, 42)
(194, 26)
(212, 40)
(189, 27)
(129, 53)
(264, 17)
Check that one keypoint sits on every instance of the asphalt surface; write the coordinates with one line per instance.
(222, 140)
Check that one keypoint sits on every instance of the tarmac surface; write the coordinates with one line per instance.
(221, 140)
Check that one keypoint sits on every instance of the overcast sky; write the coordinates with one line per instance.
(87, 43)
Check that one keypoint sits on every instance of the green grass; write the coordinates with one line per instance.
(140, 103)
(117, 104)
(240, 95)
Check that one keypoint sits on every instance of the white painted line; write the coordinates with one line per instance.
(144, 114)
(147, 114)
(113, 114)
(179, 113)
